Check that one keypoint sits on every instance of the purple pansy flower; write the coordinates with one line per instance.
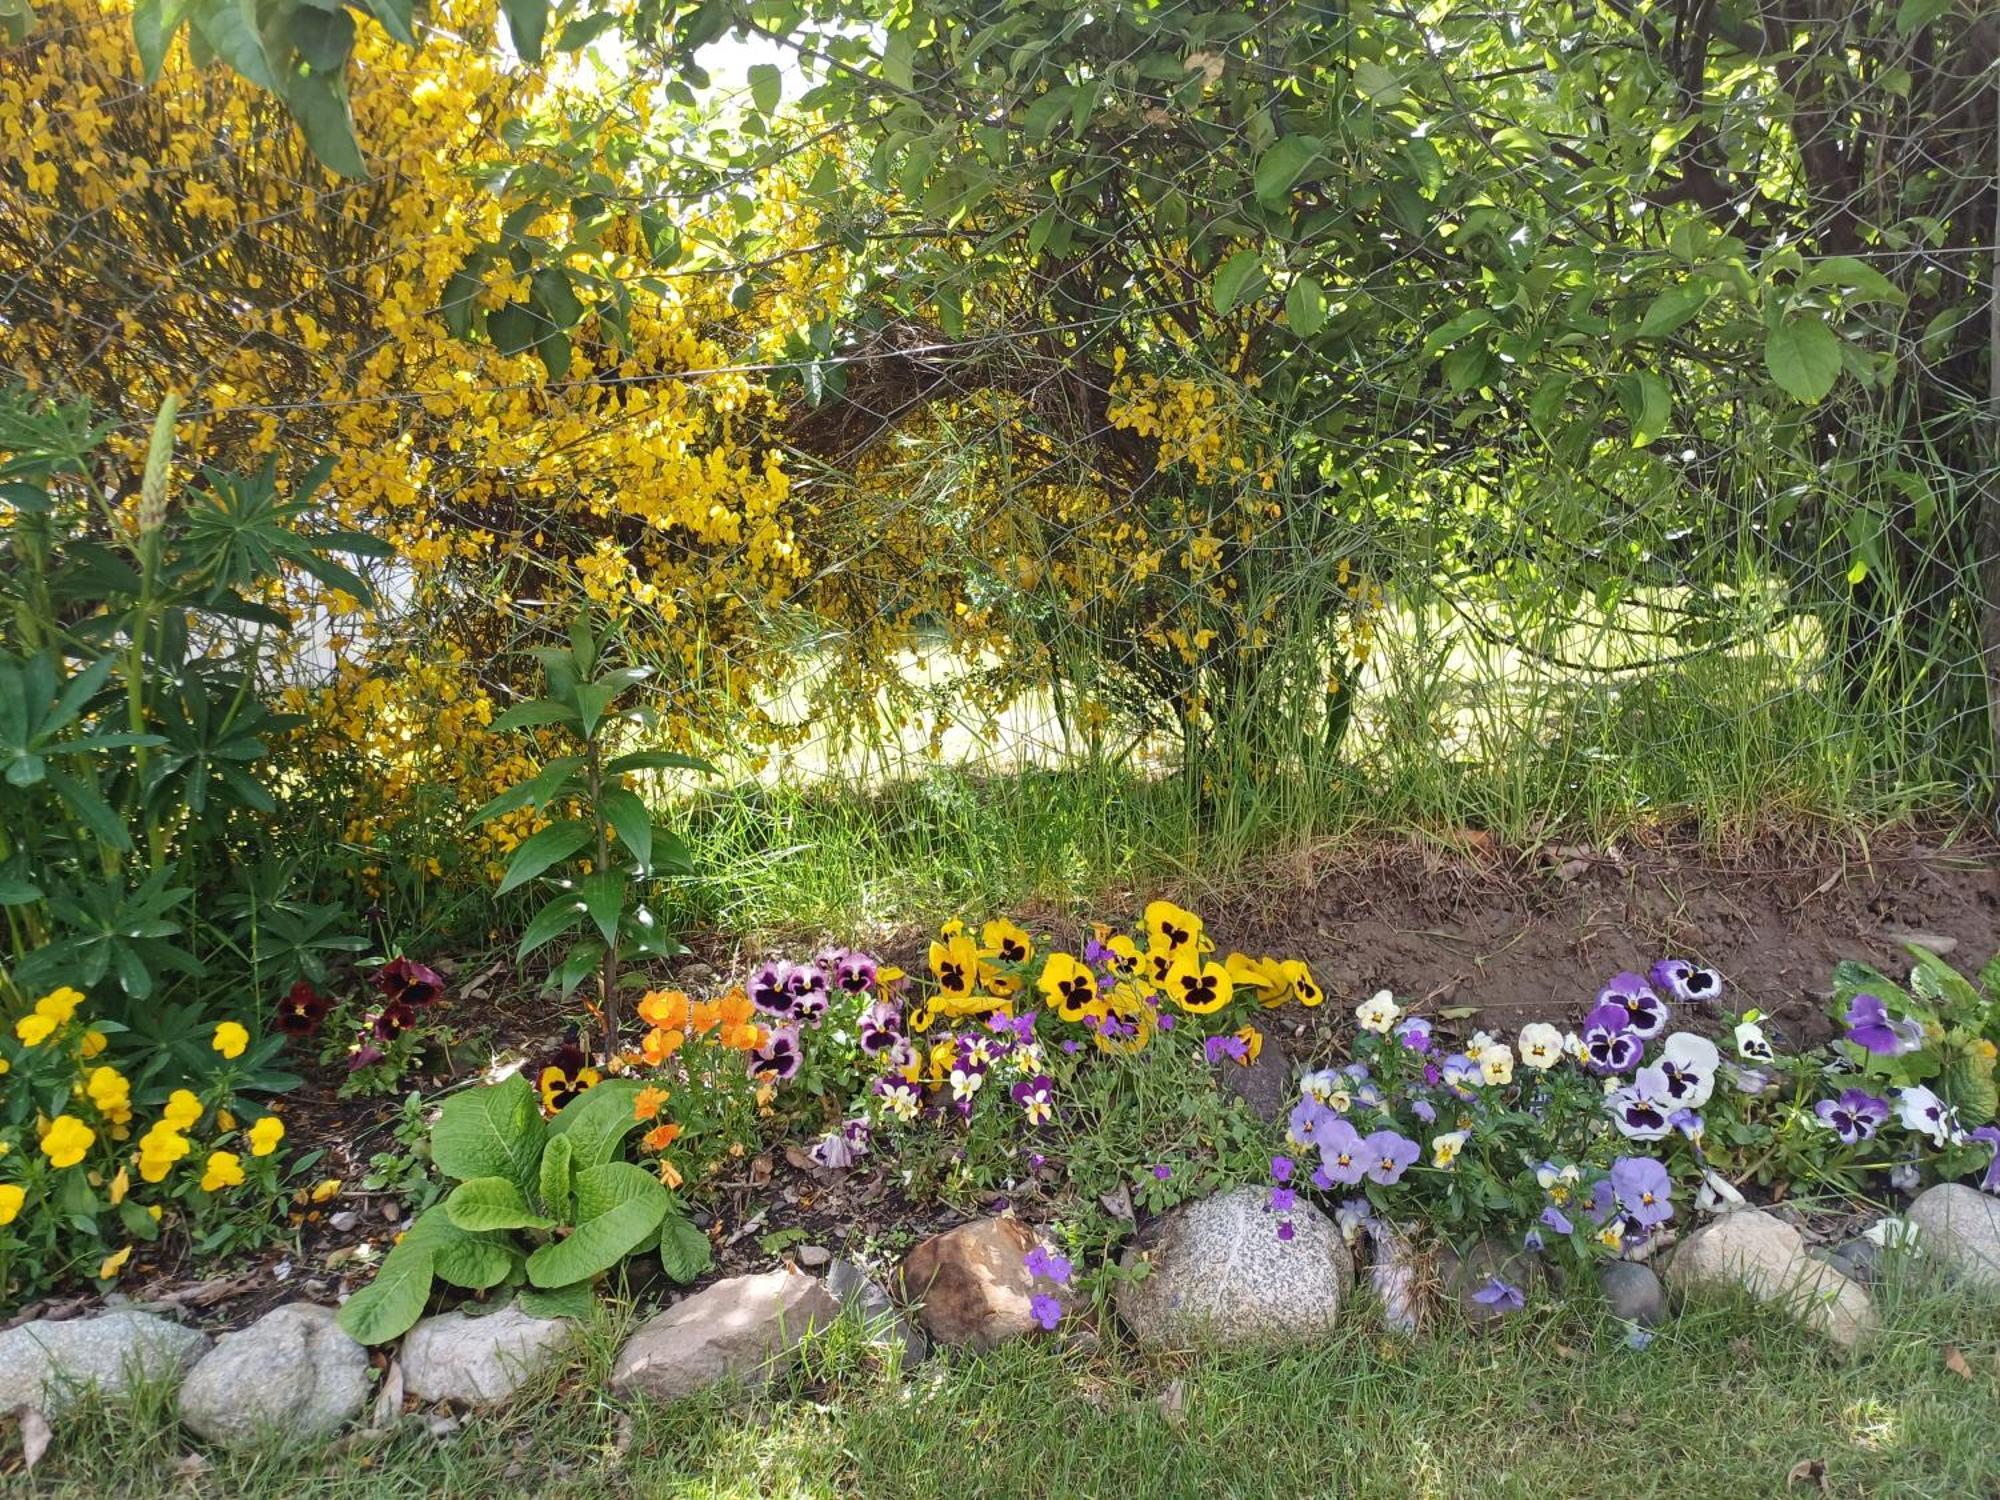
(1283, 1200)
(1036, 1098)
(1687, 981)
(1343, 1154)
(881, 1027)
(1503, 1295)
(770, 989)
(1285, 1230)
(1855, 1116)
(1162, 1172)
(1556, 1219)
(1922, 1111)
(1424, 1110)
(1309, 1121)
(1643, 1189)
(1414, 1032)
(1872, 1028)
(1045, 1310)
(1281, 1169)
(1645, 1012)
(1637, 1111)
(1609, 1045)
(778, 1059)
(1461, 1075)
(1989, 1135)
(855, 972)
(1532, 1241)
(1389, 1155)
(1688, 1065)
(1045, 1264)
(1218, 1047)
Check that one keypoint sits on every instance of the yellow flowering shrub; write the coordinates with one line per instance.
(92, 1160)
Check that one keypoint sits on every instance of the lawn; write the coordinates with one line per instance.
(1723, 1401)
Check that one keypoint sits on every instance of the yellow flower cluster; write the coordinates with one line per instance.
(93, 1137)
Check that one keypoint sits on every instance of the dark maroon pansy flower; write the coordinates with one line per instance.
(393, 1019)
(302, 1009)
(409, 982)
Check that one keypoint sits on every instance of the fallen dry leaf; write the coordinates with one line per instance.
(35, 1435)
(760, 1169)
(1954, 1361)
(1808, 1471)
(388, 1408)
(1172, 1402)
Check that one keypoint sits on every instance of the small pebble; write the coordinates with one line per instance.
(345, 1220)
(814, 1256)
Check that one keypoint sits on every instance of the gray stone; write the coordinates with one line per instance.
(1633, 1292)
(50, 1365)
(1218, 1273)
(1487, 1261)
(480, 1360)
(812, 1257)
(1748, 1250)
(970, 1285)
(1857, 1259)
(1959, 1227)
(744, 1328)
(1266, 1085)
(292, 1374)
(860, 1295)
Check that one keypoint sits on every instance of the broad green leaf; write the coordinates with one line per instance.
(597, 1121)
(558, 1175)
(603, 895)
(396, 17)
(1673, 307)
(536, 791)
(229, 28)
(684, 1250)
(1240, 278)
(324, 38)
(493, 1131)
(513, 329)
(543, 848)
(1282, 165)
(1378, 84)
(617, 1206)
(389, 1305)
(1305, 306)
(1854, 276)
(1914, 15)
(154, 25)
(556, 296)
(767, 87)
(493, 1203)
(551, 922)
(1803, 356)
(555, 1302)
(533, 714)
(1649, 406)
(628, 817)
(319, 104)
(658, 760)
(527, 22)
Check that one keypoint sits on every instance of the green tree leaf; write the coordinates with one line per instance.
(389, 1305)
(767, 87)
(527, 23)
(1305, 306)
(684, 1250)
(1282, 165)
(1673, 307)
(1803, 356)
(1241, 276)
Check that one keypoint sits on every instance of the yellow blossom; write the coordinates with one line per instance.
(113, 1263)
(265, 1135)
(12, 1196)
(230, 1040)
(223, 1169)
(182, 1110)
(66, 1141)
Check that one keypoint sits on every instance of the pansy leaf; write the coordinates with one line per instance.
(494, 1131)
(493, 1203)
(617, 1206)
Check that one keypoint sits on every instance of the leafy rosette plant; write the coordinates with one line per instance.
(540, 1207)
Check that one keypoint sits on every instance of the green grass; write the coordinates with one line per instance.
(1724, 1402)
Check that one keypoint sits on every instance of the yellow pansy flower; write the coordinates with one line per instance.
(12, 1196)
(159, 1148)
(265, 1135)
(182, 1110)
(113, 1263)
(92, 1043)
(66, 1141)
(1198, 987)
(224, 1169)
(1070, 986)
(230, 1040)
(1173, 929)
(34, 1029)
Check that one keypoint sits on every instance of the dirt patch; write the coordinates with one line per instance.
(1533, 934)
